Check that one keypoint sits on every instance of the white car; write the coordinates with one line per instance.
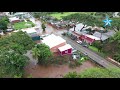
(44, 35)
(79, 42)
(73, 50)
(9, 29)
(74, 57)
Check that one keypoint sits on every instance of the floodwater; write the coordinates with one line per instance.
(53, 71)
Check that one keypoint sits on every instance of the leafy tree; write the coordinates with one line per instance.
(117, 57)
(98, 45)
(12, 48)
(3, 23)
(12, 64)
(42, 53)
(43, 27)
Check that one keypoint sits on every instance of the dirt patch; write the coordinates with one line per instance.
(53, 71)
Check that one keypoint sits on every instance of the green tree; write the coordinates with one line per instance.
(117, 57)
(3, 23)
(42, 53)
(12, 63)
(71, 75)
(12, 48)
(43, 27)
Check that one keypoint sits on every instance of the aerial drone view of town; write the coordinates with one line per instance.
(59, 44)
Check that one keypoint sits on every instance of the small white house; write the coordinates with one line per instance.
(14, 19)
(1, 32)
(30, 31)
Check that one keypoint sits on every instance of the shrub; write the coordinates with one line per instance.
(71, 75)
(96, 73)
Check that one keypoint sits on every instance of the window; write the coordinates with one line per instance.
(66, 51)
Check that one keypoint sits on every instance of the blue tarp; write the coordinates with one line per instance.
(36, 38)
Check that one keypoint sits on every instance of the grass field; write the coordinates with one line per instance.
(59, 15)
(21, 25)
(96, 50)
(93, 48)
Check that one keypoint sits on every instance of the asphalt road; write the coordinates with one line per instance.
(98, 59)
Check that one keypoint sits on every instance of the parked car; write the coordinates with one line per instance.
(79, 42)
(85, 54)
(84, 45)
(74, 56)
(9, 30)
(74, 50)
(42, 36)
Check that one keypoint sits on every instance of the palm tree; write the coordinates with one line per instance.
(43, 27)
(35, 53)
(41, 52)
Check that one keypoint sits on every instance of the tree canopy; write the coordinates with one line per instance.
(42, 53)
(3, 23)
(12, 48)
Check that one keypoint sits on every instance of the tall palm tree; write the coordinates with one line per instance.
(43, 27)
(35, 53)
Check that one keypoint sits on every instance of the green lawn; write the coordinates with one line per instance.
(96, 50)
(93, 48)
(21, 25)
(59, 15)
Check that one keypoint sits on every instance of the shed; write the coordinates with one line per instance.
(65, 50)
(32, 33)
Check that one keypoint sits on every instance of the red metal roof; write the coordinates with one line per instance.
(90, 40)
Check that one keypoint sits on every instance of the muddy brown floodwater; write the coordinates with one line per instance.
(53, 71)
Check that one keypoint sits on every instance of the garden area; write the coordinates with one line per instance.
(22, 25)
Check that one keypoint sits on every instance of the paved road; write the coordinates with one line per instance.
(98, 59)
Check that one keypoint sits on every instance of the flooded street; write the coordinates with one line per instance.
(51, 71)
(49, 29)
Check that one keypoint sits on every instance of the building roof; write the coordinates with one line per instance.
(93, 37)
(99, 35)
(29, 30)
(13, 19)
(65, 47)
(78, 27)
(53, 40)
(19, 13)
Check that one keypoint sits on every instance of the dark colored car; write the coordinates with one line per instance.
(85, 46)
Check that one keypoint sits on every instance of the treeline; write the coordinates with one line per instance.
(95, 73)
(12, 48)
(112, 47)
